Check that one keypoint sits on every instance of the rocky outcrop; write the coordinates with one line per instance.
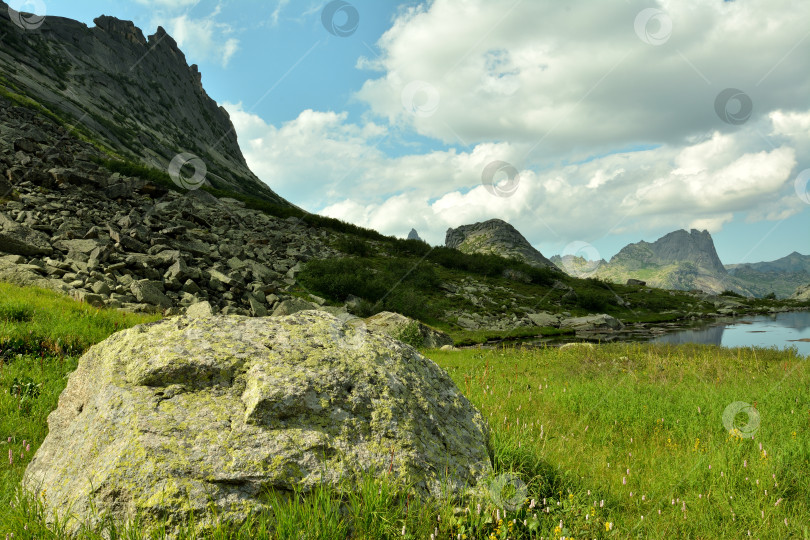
(696, 247)
(679, 260)
(495, 237)
(134, 94)
(203, 415)
(591, 323)
(413, 235)
(394, 324)
(802, 293)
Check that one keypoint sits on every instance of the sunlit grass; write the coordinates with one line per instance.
(600, 437)
(34, 320)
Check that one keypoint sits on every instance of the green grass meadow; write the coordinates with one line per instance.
(612, 441)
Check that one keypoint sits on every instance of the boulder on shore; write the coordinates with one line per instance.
(205, 414)
(591, 323)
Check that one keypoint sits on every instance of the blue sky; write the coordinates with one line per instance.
(612, 116)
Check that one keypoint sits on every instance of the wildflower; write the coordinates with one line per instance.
(601, 503)
(785, 522)
(10, 457)
(745, 463)
(659, 511)
(403, 530)
(778, 501)
(624, 480)
(608, 525)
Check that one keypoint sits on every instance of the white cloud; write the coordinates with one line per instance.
(575, 74)
(610, 134)
(204, 38)
(323, 162)
(201, 38)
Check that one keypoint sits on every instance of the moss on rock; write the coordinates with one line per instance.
(200, 414)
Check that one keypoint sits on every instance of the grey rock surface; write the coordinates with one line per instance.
(592, 322)
(203, 414)
(393, 324)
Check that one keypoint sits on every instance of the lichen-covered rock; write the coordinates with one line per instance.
(205, 414)
(394, 324)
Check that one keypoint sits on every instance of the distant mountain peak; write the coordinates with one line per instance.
(495, 237)
(413, 235)
(695, 247)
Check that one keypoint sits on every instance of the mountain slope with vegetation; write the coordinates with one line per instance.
(133, 96)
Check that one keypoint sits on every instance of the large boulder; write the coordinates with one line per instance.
(544, 319)
(395, 324)
(204, 414)
(292, 305)
(20, 240)
(591, 323)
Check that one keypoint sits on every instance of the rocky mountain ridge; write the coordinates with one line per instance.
(495, 237)
(133, 95)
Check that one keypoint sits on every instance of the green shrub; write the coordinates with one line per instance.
(411, 335)
(731, 293)
(352, 245)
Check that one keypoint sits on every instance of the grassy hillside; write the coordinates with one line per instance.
(615, 441)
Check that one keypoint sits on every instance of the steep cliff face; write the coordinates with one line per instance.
(135, 95)
(679, 260)
(695, 247)
(495, 237)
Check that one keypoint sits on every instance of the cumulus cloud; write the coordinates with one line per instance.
(327, 164)
(202, 38)
(576, 75)
(610, 134)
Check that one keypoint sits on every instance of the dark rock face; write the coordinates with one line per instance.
(696, 247)
(495, 237)
(136, 95)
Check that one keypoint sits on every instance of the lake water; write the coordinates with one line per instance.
(781, 330)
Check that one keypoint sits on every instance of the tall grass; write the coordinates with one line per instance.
(616, 441)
